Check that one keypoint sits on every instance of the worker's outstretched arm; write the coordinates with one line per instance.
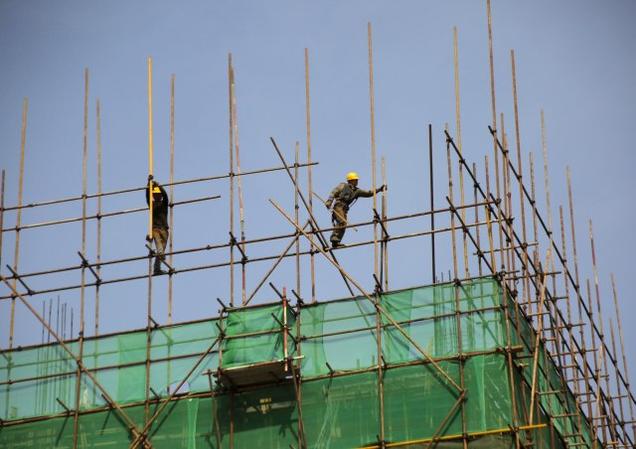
(369, 193)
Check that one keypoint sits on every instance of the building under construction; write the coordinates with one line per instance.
(507, 350)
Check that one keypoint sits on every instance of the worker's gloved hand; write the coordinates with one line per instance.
(328, 204)
(382, 188)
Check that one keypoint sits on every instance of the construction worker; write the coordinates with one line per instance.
(160, 204)
(342, 197)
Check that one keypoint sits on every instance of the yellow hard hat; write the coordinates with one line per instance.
(156, 189)
(352, 175)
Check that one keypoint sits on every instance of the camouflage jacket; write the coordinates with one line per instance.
(345, 194)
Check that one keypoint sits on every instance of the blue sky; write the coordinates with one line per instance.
(574, 61)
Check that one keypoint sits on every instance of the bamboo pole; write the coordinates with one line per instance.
(385, 256)
(622, 341)
(230, 76)
(568, 273)
(311, 215)
(2, 185)
(239, 185)
(99, 211)
(432, 201)
(150, 148)
(296, 216)
(610, 424)
(16, 253)
(373, 148)
(491, 241)
(458, 130)
(309, 178)
(572, 228)
(549, 229)
(142, 436)
(493, 107)
(522, 206)
(108, 214)
(458, 327)
(476, 220)
(139, 189)
(271, 270)
(78, 382)
(619, 396)
(376, 305)
(380, 361)
(171, 218)
(596, 375)
(581, 354)
(452, 217)
(537, 343)
(60, 340)
(225, 245)
(150, 202)
(511, 264)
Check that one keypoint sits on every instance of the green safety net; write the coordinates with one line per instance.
(254, 335)
(118, 362)
(339, 394)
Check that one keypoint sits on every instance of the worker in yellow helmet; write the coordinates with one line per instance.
(160, 233)
(342, 197)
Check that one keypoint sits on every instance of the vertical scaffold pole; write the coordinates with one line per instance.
(239, 182)
(432, 201)
(385, 240)
(493, 106)
(608, 416)
(150, 202)
(309, 180)
(373, 149)
(98, 268)
(458, 131)
(171, 218)
(171, 237)
(522, 206)
(622, 341)
(78, 372)
(575, 371)
(456, 283)
(230, 75)
(18, 221)
(477, 226)
(296, 215)
(491, 241)
(1, 212)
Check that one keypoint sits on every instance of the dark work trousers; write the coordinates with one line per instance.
(160, 237)
(339, 220)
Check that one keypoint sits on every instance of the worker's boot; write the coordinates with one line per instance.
(158, 271)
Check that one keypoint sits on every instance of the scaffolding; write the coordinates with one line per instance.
(493, 356)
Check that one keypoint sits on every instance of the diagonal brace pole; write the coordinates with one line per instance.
(436, 436)
(375, 303)
(271, 270)
(142, 436)
(311, 215)
(131, 425)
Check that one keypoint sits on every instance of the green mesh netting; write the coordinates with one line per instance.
(338, 411)
(255, 335)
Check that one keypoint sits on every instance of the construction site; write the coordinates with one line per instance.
(499, 342)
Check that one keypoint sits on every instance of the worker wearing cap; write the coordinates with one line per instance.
(342, 197)
(160, 204)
